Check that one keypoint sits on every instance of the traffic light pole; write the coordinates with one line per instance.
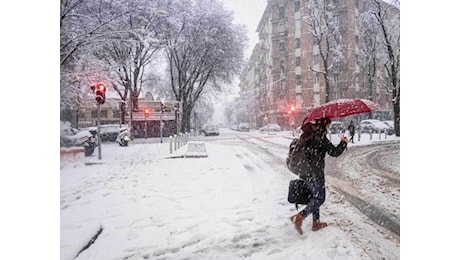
(161, 126)
(99, 156)
(145, 126)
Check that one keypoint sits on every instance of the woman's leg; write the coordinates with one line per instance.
(318, 191)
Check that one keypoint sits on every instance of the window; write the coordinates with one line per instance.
(103, 113)
(281, 28)
(116, 113)
(357, 3)
(297, 61)
(81, 113)
(336, 19)
(316, 59)
(281, 12)
(297, 6)
(316, 77)
(297, 43)
(298, 80)
(282, 86)
(281, 48)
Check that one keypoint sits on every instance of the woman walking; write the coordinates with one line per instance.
(313, 174)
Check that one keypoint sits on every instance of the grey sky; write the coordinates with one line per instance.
(247, 12)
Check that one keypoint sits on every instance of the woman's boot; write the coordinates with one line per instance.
(297, 220)
(317, 225)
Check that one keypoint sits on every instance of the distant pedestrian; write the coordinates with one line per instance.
(351, 129)
(315, 150)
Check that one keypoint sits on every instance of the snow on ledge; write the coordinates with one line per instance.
(196, 150)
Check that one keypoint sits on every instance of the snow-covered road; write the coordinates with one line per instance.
(138, 204)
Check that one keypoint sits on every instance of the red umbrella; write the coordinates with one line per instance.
(341, 108)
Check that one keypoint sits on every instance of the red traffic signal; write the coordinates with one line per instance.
(164, 104)
(146, 111)
(101, 88)
(291, 110)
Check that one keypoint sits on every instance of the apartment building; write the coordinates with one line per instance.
(288, 62)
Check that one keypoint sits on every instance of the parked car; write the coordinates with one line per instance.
(374, 126)
(337, 127)
(243, 127)
(211, 130)
(391, 124)
(270, 128)
(70, 137)
(234, 127)
(109, 132)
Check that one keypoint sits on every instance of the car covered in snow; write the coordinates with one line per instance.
(243, 127)
(336, 127)
(270, 128)
(211, 129)
(374, 126)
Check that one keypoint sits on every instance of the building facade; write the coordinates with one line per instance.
(144, 121)
(308, 54)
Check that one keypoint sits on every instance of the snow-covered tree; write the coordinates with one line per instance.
(83, 25)
(204, 50)
(382, 21)
(325, 29)
(130, 48)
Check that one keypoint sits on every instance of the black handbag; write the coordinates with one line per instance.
(299, 192)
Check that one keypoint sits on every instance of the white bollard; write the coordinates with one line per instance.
(170, 144)
(175, 142)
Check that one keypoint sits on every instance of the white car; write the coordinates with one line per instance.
(211, 130)
(243, 127)
(391, 123)
(374, 126)
(270, 128)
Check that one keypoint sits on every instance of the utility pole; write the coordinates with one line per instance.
(161, 125)
(99, 149)
(99, 89)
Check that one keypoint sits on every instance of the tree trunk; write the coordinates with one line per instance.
(396, 110)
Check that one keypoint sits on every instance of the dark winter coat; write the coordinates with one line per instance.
(351, 128)
(315, 150)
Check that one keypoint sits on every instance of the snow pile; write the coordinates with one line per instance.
(72, 156)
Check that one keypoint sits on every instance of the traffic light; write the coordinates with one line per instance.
(146, 112)
(163, 106)
(291, 110)
(100, 92)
